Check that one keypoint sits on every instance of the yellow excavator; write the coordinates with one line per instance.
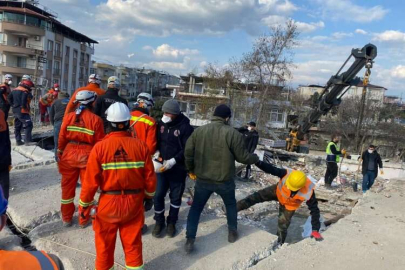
(332, 95)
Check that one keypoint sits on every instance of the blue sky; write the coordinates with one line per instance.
(184, 35)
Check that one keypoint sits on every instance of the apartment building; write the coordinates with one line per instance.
(34, 42)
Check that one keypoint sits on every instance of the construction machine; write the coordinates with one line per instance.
(334, 90)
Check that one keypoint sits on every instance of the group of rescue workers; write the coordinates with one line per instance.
(133, 161)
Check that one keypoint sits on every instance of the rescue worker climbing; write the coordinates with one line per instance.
(80, 131)
(33, 260)
(4, 92)
(143, 126)
(110, 97)
(292, 190)
(93, 85)
(122, 167)
(46, 101)
(20, 100)
(333, 154)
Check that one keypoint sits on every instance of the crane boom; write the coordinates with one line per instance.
(335, 86)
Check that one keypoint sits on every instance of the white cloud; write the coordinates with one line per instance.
(361, 32)
(131, 55)
(165, 50)
(340, 35)
(348, 11)
(286, 7)
(398, 72)
(390, 36)
(309, 27)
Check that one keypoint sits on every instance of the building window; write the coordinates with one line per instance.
(87, 58)
(50, 45)
(74, 70)
(22, 42)
(56, 70)
(57, 49)
(49, 65)
(65, 84)
(74, 54)
(276, 115)
(67, 52)
(21, 62)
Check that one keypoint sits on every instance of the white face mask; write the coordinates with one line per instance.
(166, 119)
(370, 151)
(56, 89)
(10, 82)
(250, 128)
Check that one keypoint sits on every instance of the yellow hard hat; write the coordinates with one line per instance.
(296, 180)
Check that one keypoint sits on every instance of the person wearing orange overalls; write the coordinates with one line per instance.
(121, 166)
(80, 131)
(93, 85)
(33, 260)
(46, 101)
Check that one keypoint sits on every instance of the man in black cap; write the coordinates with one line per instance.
(251, 140)
(211, 152)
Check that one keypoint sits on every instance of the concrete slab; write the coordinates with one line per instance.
(35, 153)
(370, 238)
(34, 196)
(18, 159)
(9, 241)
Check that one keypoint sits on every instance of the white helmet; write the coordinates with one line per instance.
(26, 78)
(8, 77)
(146, 99)
(86, 97)
(95, 78)
(113, 82)
(118, 112)
(157, 165)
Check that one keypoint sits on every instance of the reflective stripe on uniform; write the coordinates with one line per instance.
(159, 212)
(123, 165)
(143, 120)
(42, 259)
(307, 195)
(84, 204)
(67, 201)
(150, 194)
(174, 206)
(81, 130)
(134, 267)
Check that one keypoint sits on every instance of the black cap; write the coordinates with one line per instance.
(252, 124)
(222, 111)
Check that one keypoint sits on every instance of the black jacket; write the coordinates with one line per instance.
(58, 109)
(366, 158)
(172, 138)
(19, 99)
(4, 92)
(251, 138)
(104, 102)
(5, 145)
(312, 203)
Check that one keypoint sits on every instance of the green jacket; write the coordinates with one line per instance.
(212, 149)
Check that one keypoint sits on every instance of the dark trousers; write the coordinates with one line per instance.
(202, 192)
(174, 181)
(56, 130)
(368, 180)
(23, 121)
(5, 181)
(265, 195)
(331, 173)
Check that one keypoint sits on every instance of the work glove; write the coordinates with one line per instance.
(84, 216)
(10, 168)
(192, 176)
(382, 171)
(147, 204)
(156, 155)
(168, 164)
(59, 154)
(260, 154)
(344, 152)
(316, 235)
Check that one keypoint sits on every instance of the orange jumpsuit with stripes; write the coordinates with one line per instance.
(33, 260)
(71, 107)
(76, 139)
(144, 128)
(122, 164)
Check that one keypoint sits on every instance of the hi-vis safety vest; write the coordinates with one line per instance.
(284, 194)
(330, 157)
(33, 260)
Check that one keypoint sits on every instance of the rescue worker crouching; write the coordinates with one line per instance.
(292, 190)
(20, 101)
(33, 260)
(122, 167)
(80, 131)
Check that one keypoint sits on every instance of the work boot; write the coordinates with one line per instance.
(232, 236)
(171, 230)
(67, 224)
(144, 229)
(189, 246)
(157, 230)
(20, 143)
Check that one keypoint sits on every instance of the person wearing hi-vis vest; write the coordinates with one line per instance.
(291, 191)
(333, 154)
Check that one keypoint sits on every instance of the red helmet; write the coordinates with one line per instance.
(56, 85)
(27, 84)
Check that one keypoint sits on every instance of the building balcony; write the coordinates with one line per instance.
(57, 54)
(29, 49)
(16, 68)
(21, 27)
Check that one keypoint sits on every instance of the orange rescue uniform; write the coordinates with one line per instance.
(76, 139)
(123, 165)
(90, 87)
(144, 128)
(49, 98)
(284, 194)
(33, 260)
